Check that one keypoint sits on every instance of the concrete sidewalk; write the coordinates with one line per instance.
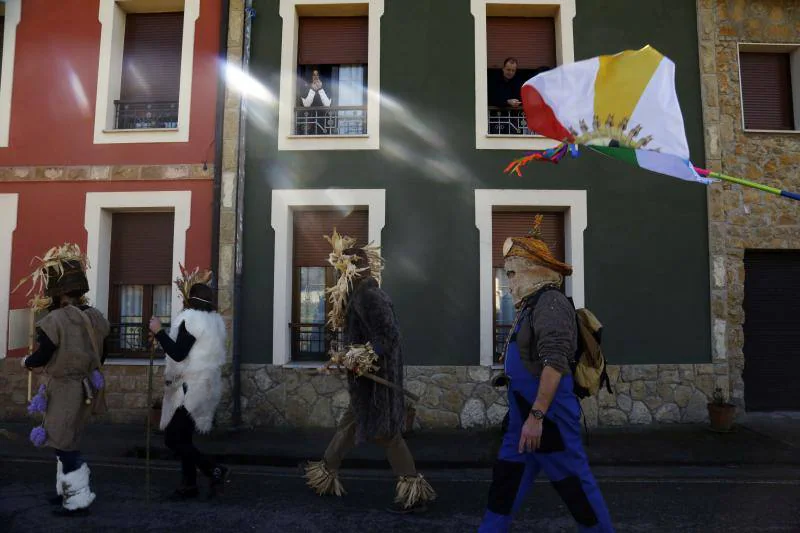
(758, 440)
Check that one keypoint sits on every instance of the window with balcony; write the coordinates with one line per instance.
(140, 280)
(144, 82)
(311, 339)
(332, 76)
(506, 223)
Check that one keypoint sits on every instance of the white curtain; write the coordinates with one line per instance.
(162, 302)
(351, 92)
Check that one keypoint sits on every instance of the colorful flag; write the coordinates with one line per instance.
(623, 105)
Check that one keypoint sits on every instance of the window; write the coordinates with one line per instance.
(512, 224)
(140, 280)
(151, 72)
(492, 206)
(292, 286)
(312, 274)
(538, 35)
(518, 48)
(145, 71)
(8, 223)
(770, 84)
(330, 74)
(10, 13)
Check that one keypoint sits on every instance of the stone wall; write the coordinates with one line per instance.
(450, 397)
(742, 218)
(107, 173)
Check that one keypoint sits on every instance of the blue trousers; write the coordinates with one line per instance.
(561, 458)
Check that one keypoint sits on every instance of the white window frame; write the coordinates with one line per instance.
(8, 223)
(774, 48)
(109, 74)
(289, 41)
(571, 202)
(284, 203)
(13, 13)
(565, 53)
(100, 206)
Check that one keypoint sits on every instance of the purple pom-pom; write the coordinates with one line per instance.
(98, 382)
(39, 402)
(38, 436)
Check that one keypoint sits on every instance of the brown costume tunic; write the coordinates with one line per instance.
(74, 359)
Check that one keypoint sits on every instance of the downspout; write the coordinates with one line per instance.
(218, 134)
(249, 13)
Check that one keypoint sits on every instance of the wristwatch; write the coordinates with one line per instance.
(537, 414)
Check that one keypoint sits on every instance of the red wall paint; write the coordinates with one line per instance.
(49, 214)
(55, 84)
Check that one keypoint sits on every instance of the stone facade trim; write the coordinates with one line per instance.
(108, 173)
(8, 223)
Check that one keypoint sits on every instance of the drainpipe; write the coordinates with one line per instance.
(218, 134)
(249, 13)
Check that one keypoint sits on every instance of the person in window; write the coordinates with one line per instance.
(544, 431)
(377, 411)
(195, 348)
(504, 91)
(316, 96)
(68, 352)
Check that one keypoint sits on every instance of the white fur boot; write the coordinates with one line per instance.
(76, 491)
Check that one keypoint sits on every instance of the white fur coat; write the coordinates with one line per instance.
(200, 372)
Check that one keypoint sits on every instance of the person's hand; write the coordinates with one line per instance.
(531, 435)
(514, 102)
(155, 325)
(316, 85)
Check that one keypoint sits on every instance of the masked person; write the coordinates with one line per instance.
(377, 411)
(544, 432)
(70, 339)
(195, 349)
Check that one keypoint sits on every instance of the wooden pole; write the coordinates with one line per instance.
(149, 407)
(31, 342)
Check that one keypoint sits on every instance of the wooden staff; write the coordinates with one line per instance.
(31, 341)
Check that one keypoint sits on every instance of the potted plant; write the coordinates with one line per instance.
(721, 412)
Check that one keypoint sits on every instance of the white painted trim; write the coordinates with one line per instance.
(288, 141)
(284, 201)
(97, 221)
(573, 202)
(109, 74)
(8, 223)
(794, 50)
(565, 53)
(11, 20)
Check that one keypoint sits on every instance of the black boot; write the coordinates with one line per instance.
(219, 477)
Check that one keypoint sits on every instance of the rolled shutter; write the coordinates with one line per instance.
(310, 247)
(531, 41)
(151, 57)
(141, 248)
(767, 91)
(507, 224)
(333, 41)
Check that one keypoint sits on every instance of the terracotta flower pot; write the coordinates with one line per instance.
(721, 416)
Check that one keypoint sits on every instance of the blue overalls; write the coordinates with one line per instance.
(560, 454)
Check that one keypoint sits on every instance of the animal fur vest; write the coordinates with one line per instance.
(196, 382)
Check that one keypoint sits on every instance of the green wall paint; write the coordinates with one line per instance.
(646, 245)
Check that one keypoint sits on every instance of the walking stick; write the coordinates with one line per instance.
(149, 405)
(31, 341)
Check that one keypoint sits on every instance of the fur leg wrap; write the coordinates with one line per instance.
(59, 477)
(323, 481)
(413, 490)
(77, 494)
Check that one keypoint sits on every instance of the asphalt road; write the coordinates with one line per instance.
(276, 500)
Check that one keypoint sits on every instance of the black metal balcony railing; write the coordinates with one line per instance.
(312, 342)
(342, 120)
(130, 340)
(508, 121)
(501, 332)
(145, 115)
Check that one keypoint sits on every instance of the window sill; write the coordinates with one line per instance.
(487, 141)
(123, 361)
(329, 142)
(305, 365)
(148, 130)
(329, 136)
(142, 135)
(773, 132)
